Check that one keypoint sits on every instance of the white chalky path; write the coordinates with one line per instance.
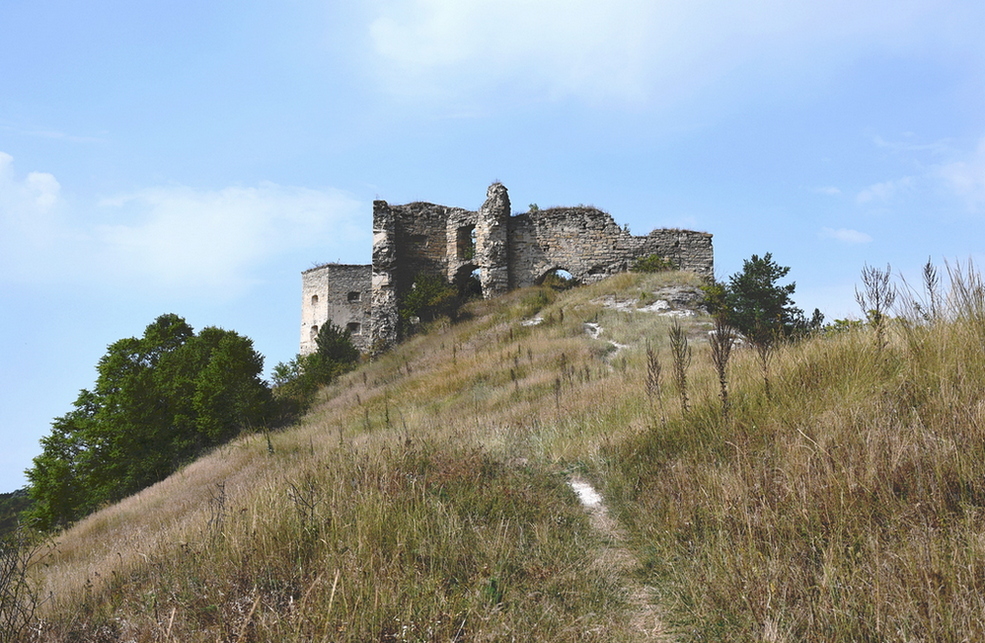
(615, 557)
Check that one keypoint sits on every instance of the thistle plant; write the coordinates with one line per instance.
(681, 351)
(722, 340)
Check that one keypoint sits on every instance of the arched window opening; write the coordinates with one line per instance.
(314, 300)
(468, 282)
(558, 279)
(314, 333)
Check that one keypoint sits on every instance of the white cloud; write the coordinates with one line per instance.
(845, 235)
(31, 219)
(885, 191)
(909, 146)
(198, 241)
(966, 177)
(637, 49)
(944, 169)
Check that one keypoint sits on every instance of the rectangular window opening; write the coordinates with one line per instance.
(466, 243)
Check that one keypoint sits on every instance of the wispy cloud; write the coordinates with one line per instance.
(631, 50)
(953, 173)
(884, 192)
(965, 177)
(910, 145)
(199, 241)
(212, 239)
(828, 190)
(845, 235)
(52, 134)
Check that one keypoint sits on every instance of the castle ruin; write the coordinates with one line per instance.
(503, 250)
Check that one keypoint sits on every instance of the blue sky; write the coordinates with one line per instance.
(194, 158)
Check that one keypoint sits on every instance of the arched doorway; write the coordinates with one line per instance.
(558, 279)
(468, 282)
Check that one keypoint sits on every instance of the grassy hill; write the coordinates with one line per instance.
(426, 496)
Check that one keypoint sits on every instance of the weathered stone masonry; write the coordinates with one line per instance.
(507, 251)
(340, 293)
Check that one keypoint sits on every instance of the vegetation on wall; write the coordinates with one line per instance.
(159, 400)
(429, 297)
(652, 263)
(558, 280)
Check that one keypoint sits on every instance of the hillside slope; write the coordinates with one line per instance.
(426, 497)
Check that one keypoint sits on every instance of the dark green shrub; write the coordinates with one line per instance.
(296, 382)
(429, 298)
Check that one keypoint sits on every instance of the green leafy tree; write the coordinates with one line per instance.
(158, 401)
(12, 505)
(229, 394)
(757, 305)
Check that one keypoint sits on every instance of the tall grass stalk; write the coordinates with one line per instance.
(681, 352)
(765, 346)
(722, 340)
(20, 597)
(653, 373)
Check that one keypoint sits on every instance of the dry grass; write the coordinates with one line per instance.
(424, 497)
(846, 507)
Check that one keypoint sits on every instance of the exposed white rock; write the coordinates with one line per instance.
(586, 493)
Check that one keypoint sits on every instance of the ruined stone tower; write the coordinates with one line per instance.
(492, 241)
(506, 251)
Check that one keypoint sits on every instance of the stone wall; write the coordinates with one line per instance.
(338, 293)
(508, 251)
(689, 250)
(587, 243)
